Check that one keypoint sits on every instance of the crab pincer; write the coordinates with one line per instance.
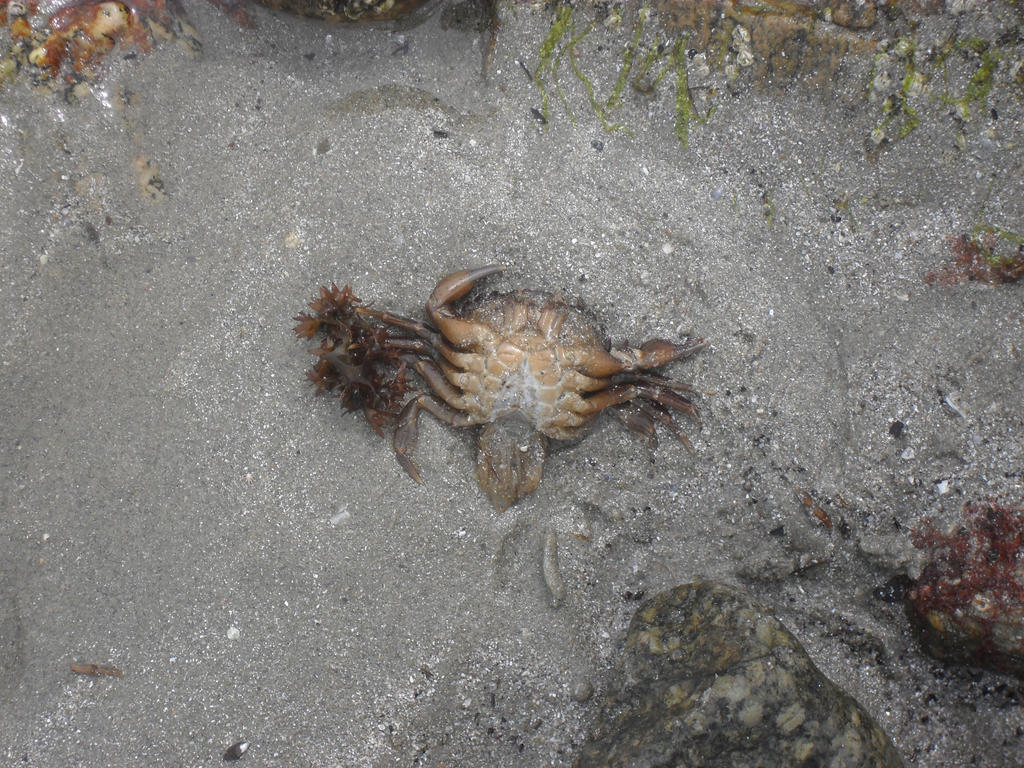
(459, 332)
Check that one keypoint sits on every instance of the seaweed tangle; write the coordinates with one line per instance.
(977, 258)
(364, 354)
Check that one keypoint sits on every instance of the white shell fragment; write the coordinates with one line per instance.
(549, 567)
(236, 750)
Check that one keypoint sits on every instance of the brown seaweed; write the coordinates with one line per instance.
(363, 357)
(977, 258)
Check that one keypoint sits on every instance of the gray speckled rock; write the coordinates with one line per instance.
(710, 679)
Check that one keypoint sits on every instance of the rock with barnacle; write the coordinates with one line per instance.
(347, 10)
(526, 367)
(968, 604)
(69, 40)
(710, 679)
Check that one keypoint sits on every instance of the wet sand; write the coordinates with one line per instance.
(178, 505)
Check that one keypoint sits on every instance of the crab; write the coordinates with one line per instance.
(527, 368)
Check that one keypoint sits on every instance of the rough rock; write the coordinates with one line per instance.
(709, 679)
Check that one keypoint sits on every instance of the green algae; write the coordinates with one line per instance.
(615, 99)
(991, 234)
(899, 117)
(685, 111)
(929, 79)
(911, 78)
(546, 55)
(980, 85)
(642, 68)
(8, 70)
(595, 103)
(989, 254)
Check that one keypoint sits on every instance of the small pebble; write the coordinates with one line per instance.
(236, 750)
(549, 568)
(340, 516)
(582, 691)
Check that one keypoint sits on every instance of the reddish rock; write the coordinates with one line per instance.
(969, 602)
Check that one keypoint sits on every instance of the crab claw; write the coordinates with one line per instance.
(460, 332)
(656, 353)
(509, 461)
(457, 284)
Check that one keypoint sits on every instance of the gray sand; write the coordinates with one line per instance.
(178, 505)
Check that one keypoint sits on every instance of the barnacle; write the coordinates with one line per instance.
(74, 37)
(82, 32)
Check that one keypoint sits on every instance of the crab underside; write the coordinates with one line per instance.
(526, 367)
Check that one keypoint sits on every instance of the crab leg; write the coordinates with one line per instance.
(467, 383)
(661, 414)
(599, 364)
(638, 420)
(657, 380)
(434, 376)
(461, 333)
(406, 432)
(419, 347)
(574, 380)
(623, 393)
(665, 396)
(640, 417)
(465, 361)
(656, 353)
(399, 321)
(552, 318)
